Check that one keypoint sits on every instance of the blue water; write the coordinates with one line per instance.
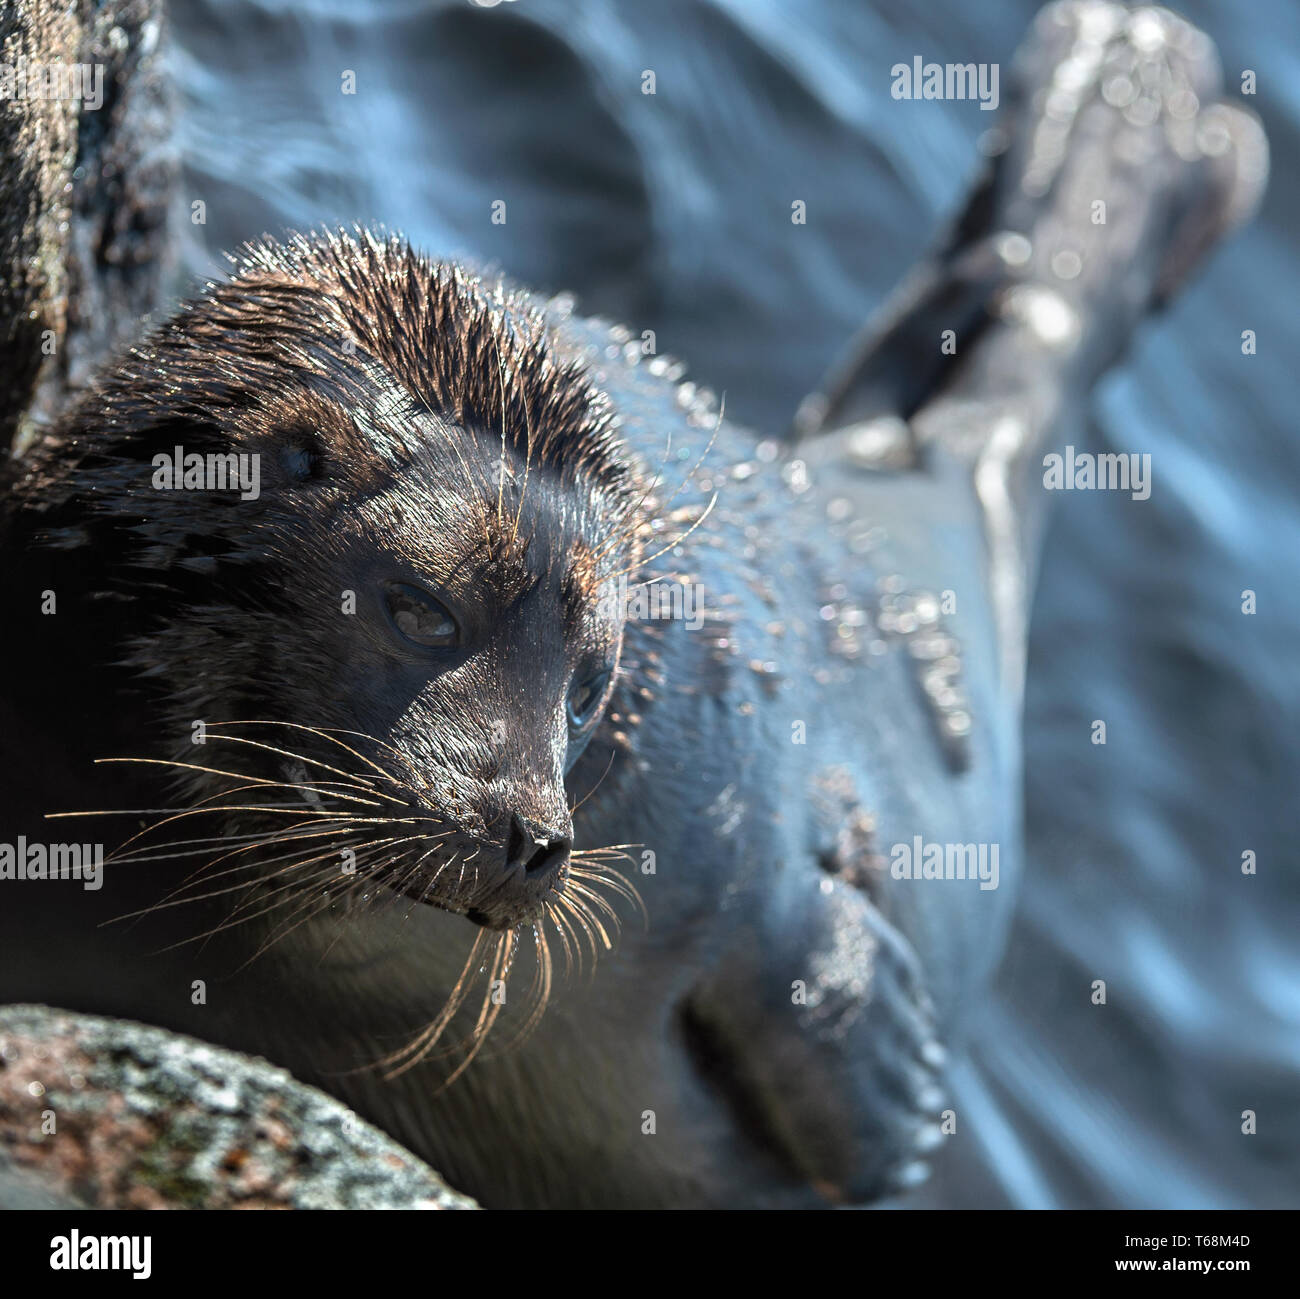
(672, 211)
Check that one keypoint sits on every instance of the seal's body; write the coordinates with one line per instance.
(736, 795)
(517, 630)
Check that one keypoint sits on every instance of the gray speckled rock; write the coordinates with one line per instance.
(104, 1113)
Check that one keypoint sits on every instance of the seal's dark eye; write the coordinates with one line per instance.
(584, 699)
(418, 616)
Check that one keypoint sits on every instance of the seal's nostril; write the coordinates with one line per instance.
(544, 858)
(534, 849)
(519, 841)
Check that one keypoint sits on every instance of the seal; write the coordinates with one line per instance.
(432, 633)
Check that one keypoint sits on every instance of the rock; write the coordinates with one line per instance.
(105, 1113)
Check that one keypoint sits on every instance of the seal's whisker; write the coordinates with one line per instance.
(603, 869)
(256, 886)
(451, 861)
(473, 857)
(393, 896)
(352, 778)
(597, 872)
(624, 896)
(398, 886)
(539, 993)
(163, 850)
(608, 767)
(110, 811)
(335, 848)
(584, 904)
(252, 781)
(318, 815)
(672, 545)
(586, 933)
(314, 903)
(491, 1007)
(545, 973)
(593, 899)
(284, 894)
(419, 861)
(160, 852)
(556, 912)
(204, 804)
(401, 1060)
(593, 930)
(230, 923)
(174, 898)
(331, 734)
(242, 886)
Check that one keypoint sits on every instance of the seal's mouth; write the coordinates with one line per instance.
(494, 886)
(496, 881)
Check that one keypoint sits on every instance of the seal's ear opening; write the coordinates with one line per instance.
(302, 455)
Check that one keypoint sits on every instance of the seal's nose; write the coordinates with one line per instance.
(535, 848)
(532, 866)
(495, 884)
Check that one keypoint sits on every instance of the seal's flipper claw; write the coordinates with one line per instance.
(1236, 154)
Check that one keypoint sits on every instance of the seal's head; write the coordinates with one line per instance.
(366, 499)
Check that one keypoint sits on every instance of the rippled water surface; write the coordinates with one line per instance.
(672, 211)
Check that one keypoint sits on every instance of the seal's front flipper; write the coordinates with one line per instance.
(819, 1032)
(1114, 172)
